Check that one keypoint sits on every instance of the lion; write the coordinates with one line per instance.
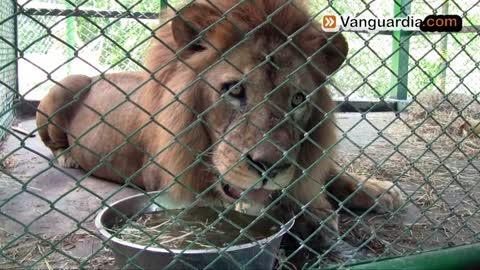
(231, 106)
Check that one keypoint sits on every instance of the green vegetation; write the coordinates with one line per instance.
(119, 43)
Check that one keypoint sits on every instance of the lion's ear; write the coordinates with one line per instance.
(190, 21)
(327, 50)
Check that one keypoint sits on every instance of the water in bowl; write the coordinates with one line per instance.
(196, 228)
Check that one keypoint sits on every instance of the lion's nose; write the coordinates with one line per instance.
(260, 166)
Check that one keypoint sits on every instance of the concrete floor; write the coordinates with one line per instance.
(53, 202)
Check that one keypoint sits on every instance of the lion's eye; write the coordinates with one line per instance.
(297, 99)
(234, 89)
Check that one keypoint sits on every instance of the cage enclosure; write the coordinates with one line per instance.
(367, 140)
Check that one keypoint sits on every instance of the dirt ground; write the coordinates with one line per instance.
(47, 213)
(439, 172)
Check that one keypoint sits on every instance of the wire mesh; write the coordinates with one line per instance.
(428, 148)
(7, 64)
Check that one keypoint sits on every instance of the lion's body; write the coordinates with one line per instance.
(109, 125)
(100, 119)
(169, 129)
(103, 127)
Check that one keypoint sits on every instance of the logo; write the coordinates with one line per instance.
(329, 22)
(431, 23)
(442, 23)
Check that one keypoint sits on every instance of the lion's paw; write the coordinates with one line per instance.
(391, 200)
(318, 227)
(66, 161)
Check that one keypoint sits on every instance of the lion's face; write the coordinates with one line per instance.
(258, 111)
(255, 103)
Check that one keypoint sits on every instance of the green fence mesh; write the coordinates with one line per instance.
(8, 64)
(425, 141)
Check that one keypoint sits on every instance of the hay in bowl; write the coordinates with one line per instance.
(196, 228)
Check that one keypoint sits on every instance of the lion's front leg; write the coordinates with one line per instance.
(379, 196)
(317, 221)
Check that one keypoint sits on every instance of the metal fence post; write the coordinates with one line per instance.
(400, 48)
(70, 38)
(163, 4)
(17, 54)
(443, 54)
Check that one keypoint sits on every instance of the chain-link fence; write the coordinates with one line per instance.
(8, 64)
(224, 110)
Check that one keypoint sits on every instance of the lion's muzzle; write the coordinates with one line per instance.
(261, 167)
(259, 195)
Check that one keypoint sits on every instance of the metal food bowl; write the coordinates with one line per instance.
(254, 255)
